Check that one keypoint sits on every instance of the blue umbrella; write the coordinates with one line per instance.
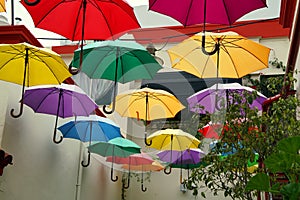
(88, 129)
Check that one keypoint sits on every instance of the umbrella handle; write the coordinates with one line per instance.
(54, 138)
(32, 3)
(73, 71)
(144, 189)
(20, 112)
(217, 47)
(128, 181)
(168, 172)
(113, 102)
(148, 144)
(112, 176)
(88, 161)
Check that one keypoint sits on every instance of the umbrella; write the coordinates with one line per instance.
(132, 160)
(27, 65)
(202, 11)
(186, 159)
(2, 6)
(211, 130)
(172, 139)
(119, 61)
(214, 97)
(119, 146)
(83, 19)
(147, 104)
(92, 128)
(62, 101)
(236, 56)
(205, 11)
(154, 166)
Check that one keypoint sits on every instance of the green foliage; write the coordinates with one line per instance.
(249, 132)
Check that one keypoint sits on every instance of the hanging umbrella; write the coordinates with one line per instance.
(119, 146)
(236, 56)
(147, 104)
(119, 61)
(27, 65)
(83, 19)
(186, 159)
(92, 128)
(202, 11)
(205, 11)
(61, 100)
(212, 131)
(132, 160)
(2, 6)
(172, 139)
(154, 166)
(214, 97)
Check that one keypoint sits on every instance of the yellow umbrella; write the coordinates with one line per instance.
(148, 104)
(172, 139)
(2, 6)
(226, 55)
(28, 65)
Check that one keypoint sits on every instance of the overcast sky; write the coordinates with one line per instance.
(145, 17)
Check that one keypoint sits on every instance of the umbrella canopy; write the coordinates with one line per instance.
(59, 100)
(172, 139)
(212, 130)
(120, 61)
(205, 11)
(92, 128)
(83, 19)
(236, 56)
(2, 6)
(120, 147)
(214, 97)
(28, 65)
(147, 104)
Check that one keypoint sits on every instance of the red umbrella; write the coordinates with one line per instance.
(82, 19)
(212, 130)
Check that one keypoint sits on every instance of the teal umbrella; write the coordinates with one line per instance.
(119, 61)
(120, 147)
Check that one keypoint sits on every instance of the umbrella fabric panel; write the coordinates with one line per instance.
(217, 11)
(134, 159)
(104, 19)
(44, 66)
(129, 60)
(45, 100)
(238, 56)
(155, 166)
(161, 104)
(172, 139)
(2, 6)
(189, 156)
(90, 130)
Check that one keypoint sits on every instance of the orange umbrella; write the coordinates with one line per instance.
(2, 6)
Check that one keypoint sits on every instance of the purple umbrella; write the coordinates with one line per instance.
(186, 159)
(60, 100)
(219, 95)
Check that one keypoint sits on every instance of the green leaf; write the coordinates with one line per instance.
(289, 145)
(291, 191)
(259, 182)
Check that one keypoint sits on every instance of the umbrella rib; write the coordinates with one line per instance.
(227, 13)
(54, 7)
(77, 17)
(104, 17)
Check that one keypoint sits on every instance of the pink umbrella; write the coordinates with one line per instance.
(132, 160)
(191, 12)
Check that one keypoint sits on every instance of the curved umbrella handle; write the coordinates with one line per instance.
(168, 172)
(74, 71)
(144, 189)
(112, 176)
(216, 48)
(32, 3)
(54, 138)
(88, 160)
(113, 102)
(148, 144)
(20, 112)
(128, 182)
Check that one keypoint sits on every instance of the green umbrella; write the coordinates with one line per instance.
(119, 146)
(119, 61)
